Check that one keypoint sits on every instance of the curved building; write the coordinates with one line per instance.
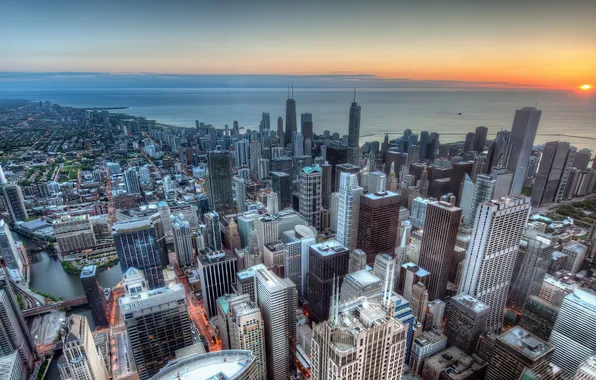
(226, 364)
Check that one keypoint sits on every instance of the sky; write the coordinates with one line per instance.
(541, 43)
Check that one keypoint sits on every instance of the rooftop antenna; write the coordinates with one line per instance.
(354, 94)
(292, 90)
(288, 91)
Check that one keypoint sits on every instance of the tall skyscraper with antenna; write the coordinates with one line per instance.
(291, 120)
(354, 133)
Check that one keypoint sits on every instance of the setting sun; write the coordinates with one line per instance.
(585, 87)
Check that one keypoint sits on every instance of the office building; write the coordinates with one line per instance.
(131, 180)
(503, 179)
(14, 333)
(469, 142)
(424, 346)
(74, 233)
(438, 244)
(587, 370)
(539, 316)
(354, 133)
(489, 260)
(519, 148)
(377, 182)
(12, 197)
(480, 139)
(281, 184)
(296, 254)
(225, 364)
(263, 168)
(247, 331)
(11, 367)
(81, 359)
(343, 168)
(241, 153)
(291, 120)
(255, 156)
(517, 351)
(409, 275)
(466, 321)
(378, 222)
(10, 253)
(328, 262)
(572, 336)
(418, 214)
(218, 275)
(219, 181)
(349, 343)
(576, 253)
(419, 301)
(357, 260)
(182, 236)
(553, 172)
(278, 301)
(240, 190)
(95, 295)
(483, 192)
(360, 284)
(310, 195)
(157, 324)
(213, 231)
(348, 210)
(139, 246)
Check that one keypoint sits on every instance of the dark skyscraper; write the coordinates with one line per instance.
(551, 172)
(423, 144)
(218, 276)
(281, 184)
(280, 131)
(496, 151)
(377, 224)
(95, 296)
(219, 182)
(469, 143)
(480, 139)
(290, 118)
(523, 132)
(306, 126)
(354, 133)
(13, 201)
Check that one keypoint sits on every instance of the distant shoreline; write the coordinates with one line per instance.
(106, 108)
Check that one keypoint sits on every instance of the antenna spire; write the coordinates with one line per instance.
(292, 90)
(354, 94)
(288, 91)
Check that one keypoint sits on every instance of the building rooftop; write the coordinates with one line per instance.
(575, 247)
(311, 169)
(363, 278)
(227, 364)
(151, 298)
(525, 343)
(380, 195)
(428, 338)
(419, 271)
(88, 271)
(583, 296)
(328, 248)
(471, 303)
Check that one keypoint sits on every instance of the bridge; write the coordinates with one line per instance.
(67, 304)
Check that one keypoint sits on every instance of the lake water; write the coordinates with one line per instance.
(384, 110)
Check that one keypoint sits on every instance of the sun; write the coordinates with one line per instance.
(585, 87)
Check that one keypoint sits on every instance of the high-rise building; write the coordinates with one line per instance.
(131, 180)
(291, 120)
(263, 168)
(326, 184)
(298, 144)
(582, 159)
(469, 144)
(218, 275)
(272, 203)
(361, 340)
(240, 189)
(219, 181)
(466, 321)
(348, 210)
(571, 335)
(280, 132)
(587, 370)
(265, 122)
(480, 139)
(517, 351)
(278, 301)
(213, 231)
(10, 253)
(361, 283)
(418, 212)
(81, 359)
(419, 301)
(139, 245)
(521, 140)
(328, 262)
(224, 364)
(157, 324)
(357, 260)
(95, 295)
(14, 201)
(438, 244)
(310, 195)
(182, 236)
(255, 156)
(483, 192)
(281, 184)
(377, 182)
(74, 233)
(296, 254)
(241, 153)
(354, 133)
(424, 346)
(503, 179)
(11, 367)
(378, 222)
(553, 172)
(490, 259)
(343, 168)
(144, 174)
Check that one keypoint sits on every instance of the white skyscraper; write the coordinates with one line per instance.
(131, 180)
(10, 253)
(182, 241)
(240, 188)
(491, 256)
(467, 194)
(348, 209)
(310, 195)
(81, 359)
(272, 203)
(483, 192)
(145, 174)
(573, 335)
(377, 181)
(277, 299)
(263, 168)
(298, 144)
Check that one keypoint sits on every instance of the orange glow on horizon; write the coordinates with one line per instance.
(585, 87)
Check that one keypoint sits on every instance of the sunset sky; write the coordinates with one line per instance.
(543, 43)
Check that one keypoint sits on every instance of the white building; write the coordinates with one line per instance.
(310, 195)
(484, 190)
(11, 367)
(491, 256)
(182, 241)
(348, 209)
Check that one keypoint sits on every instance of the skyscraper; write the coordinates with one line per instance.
(291, 120)
(219, 181)
(469, 144)
(157, 324)
(310, 195)
(278, 301)
(255, 155)
(81, 359)
(483, 192)
(213, 233)
(348, 210)
(131, 179)
(328, 263)
(491, 256)
(265, 122)
(298, 144)
(354, 133)
(574, 339)
(182, 236)
(480, 139)
(247, 331)
(138, 243)
(95, 295)
(296, 254)
(218, 275)
(280, 132)
(466, 321)
(553, 172)
(13, 201)
(281, 184)
(419, 301)
(240, 190)
(523, 132)
(377, 224)
(9, 252)
(437, 246)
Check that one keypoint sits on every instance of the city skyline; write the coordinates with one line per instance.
(536, 44)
